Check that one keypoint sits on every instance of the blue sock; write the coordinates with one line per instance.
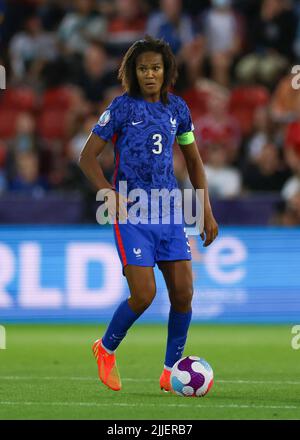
(178, 326)
(122, 320)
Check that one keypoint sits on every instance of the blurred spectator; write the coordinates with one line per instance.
(267, 172)
(127, 25)
(288, 212)
(15, 13)
(108, 96)
(80, 26)
(285, 105)
(292, 154)
(271, 37)
(106, 8)
(25, 140)
(57, 72)
(171, 24)
(176, 27)
(223, 180)
(291, 214)
(223, 30)
(95, 74)
(51, 13)
(217, 126)
(262, 131)
(31, 48)
(26, 177)
(193, 7)
(77, 142)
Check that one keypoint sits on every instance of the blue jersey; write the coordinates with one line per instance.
(143, 134)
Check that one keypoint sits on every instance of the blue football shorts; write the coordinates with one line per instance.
(147, 244)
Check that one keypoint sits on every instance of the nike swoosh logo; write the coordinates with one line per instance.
(135, 123)
(117, 337)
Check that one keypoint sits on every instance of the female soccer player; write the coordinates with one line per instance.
(143, 124)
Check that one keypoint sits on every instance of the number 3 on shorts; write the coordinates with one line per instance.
(157, 137)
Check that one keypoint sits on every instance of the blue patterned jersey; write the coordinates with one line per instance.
(144, 134)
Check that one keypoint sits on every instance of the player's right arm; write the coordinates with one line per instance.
(107, 126)
(88, 162)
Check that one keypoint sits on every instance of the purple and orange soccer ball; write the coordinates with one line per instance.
(191, 376)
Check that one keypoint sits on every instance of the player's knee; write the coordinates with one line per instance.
(142, 299)
(139, 305)
(146, 302)
(181, 299)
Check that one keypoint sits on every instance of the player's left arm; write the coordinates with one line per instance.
(198, 179)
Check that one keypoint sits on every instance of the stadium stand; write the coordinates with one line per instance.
(243, 110)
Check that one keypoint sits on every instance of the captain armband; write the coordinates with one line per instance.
(185, 138)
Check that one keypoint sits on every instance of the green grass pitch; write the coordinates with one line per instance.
(48, 372)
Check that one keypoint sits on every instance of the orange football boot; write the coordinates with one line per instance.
(165, 380)
(107, 367)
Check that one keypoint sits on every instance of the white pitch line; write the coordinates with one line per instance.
(131, 379)
(181, 405)
(258, 382)
(79, 378)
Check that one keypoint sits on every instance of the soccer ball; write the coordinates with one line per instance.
(191, 376)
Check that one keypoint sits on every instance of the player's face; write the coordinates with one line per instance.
(150, 74)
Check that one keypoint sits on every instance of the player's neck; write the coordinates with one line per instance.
(152, 98)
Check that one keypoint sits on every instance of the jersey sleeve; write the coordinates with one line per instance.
(110, 121)
(185, 120)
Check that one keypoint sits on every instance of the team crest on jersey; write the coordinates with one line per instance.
(137, 252)
(104, 118)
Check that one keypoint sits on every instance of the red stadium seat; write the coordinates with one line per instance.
(243, 103)
(8, 119)
(58, 98)
(52, 124)
(2, 153)
(20, 99)
(292, 136)
(196, 100)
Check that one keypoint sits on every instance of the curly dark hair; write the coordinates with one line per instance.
(127, 71)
